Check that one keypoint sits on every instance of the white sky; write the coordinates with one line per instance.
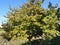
(0, 25)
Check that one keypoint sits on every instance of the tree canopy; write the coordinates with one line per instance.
(31, 20)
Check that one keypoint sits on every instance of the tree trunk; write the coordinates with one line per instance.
(30, 41)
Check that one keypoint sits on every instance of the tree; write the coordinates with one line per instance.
(31, 20)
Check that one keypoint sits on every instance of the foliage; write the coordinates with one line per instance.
(31, 20)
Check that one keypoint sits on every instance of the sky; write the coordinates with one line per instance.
(4, 6)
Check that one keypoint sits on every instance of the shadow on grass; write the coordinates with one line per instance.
(34, 42)
(54, 41)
